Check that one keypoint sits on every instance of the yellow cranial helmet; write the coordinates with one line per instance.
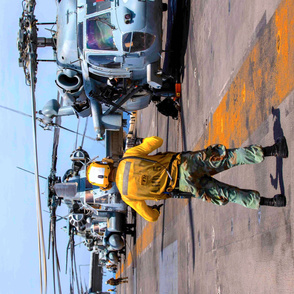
(98, 174)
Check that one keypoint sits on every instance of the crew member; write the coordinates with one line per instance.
(140, 176)
(115, 282)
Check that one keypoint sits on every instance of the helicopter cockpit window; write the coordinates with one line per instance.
(104, 61)
(97, 5)
(99, 33)
(137, 41)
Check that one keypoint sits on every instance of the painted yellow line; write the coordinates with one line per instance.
(142, 242)
(265, 79)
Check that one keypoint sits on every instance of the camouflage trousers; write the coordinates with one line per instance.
(197, 168)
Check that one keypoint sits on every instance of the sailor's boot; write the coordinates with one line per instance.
(278, 200)
(279, 149)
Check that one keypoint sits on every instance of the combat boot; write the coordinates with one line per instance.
(279, 149)
(278, 200)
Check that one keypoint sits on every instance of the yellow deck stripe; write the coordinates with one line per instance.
(265, 79)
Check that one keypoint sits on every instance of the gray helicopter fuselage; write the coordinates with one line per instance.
(101, 214)
(77, 188)
(99, 41)
(111, 45)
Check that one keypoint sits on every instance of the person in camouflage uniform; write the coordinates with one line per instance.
(140, 176)
(197, 168)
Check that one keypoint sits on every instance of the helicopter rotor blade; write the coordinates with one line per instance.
(40, 259)
(25, 170)
(71, 266)
(58, 270)
(52, 244)
(66, 258)
(71, 287)
(41, 243)
(49, 239)
(53, 270)
(55, 125)
(54, 253)
(75, 269)
(53, 202)
(55, 143)
(27, 46)
(16, 111)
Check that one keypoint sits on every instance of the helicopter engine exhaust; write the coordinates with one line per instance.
(69, 80)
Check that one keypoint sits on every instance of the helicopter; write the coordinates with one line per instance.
(98, 216)
(108, 58)
(87, 89)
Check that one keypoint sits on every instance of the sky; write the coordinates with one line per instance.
(19, 271)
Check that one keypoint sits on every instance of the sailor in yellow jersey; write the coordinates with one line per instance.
(140, 176)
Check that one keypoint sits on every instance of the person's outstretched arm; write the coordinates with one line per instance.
(147, 212)
(149, 144)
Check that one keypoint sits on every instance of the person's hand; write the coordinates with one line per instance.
(157, 207)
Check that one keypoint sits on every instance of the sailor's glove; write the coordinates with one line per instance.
(157, 207)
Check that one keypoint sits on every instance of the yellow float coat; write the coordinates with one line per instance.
(141, 176)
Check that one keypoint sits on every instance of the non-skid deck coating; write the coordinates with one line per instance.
(226, 249)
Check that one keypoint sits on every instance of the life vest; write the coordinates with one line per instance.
(147, 177)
